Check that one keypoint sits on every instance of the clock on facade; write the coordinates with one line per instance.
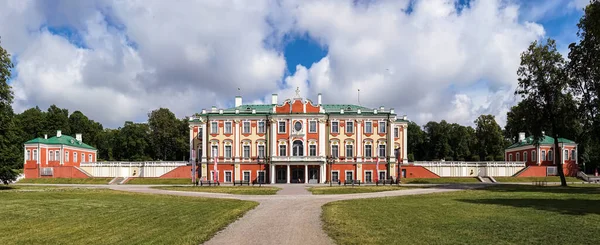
(298, 126)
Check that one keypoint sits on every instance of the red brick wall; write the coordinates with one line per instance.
(58, 172)
(179, 172)
(533, 171)
(418, 172)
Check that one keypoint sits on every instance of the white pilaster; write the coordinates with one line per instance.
(204, 143)
(287, 176)
(304, 141)
(404, 143)
(62, 155)
(359, 143)
(322, 139)
(323, 172)
(191, 142)
(305, 173)
(272, 173)
(25, 154)
(237, 142)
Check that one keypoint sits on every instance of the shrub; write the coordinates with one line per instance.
(475, 158)
(489, 158)
(499, 158)
(411, 157)
(449, 159)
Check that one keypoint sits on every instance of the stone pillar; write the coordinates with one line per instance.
(305, 173)
(287, 175)
(272, 173)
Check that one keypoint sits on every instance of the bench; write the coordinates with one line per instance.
(385, 181)
(256, 182)
(209, 182)
(352, 182)
(241, 182)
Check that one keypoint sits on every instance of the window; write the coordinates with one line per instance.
(261, 151)
(518, 157)
(349, 151)
(297, 148)
(215, 151)
(525, 156)
(261, 177)
(349, 127)
(74, 156)
(90, 158)
(214, 128)
(298, 126)
(510, 157)
(199, 136)
(261, 127)
(573, 157)
(334, 151)
(368, 176)
(543, 155)
(214, 175)
(550, 157)
(66, 156)
(28, 155)
(335, 176)
(56, 156)
(227, 176)
(368, 151)
(51, 156)
(281, 127)
(312, 150)
(246, 128)
(227, 127)
(382, 175)
(282, 150)
(396, 132)
(246, 175)
(82, 157)
(382, 127)
(246, 152)
(228, 151)
(312, 126)
(566, 156)
(335, 127)
(381, 150)
(533, 156)
(368, 127)
(35, 156)
(349, 175)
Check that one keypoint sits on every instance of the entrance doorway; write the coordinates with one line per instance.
(297, 174)
(281, 175)
(313, 175)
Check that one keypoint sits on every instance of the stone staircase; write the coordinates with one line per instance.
(116, 181)
(486, 179)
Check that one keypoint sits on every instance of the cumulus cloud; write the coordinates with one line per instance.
(125, 58)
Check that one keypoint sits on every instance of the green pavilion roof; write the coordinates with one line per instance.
(62, 140)
(546, 140)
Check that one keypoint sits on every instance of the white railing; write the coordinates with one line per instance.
(472, 169)
(130, 169)
(133, 164)
(298, 158)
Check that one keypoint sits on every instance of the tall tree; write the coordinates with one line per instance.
(164, 131)
(437, 134)
(32, 122)
(490, 141)
(57, 119)
(415, 141)
(132, 142)
(8, 149)
(543, 88)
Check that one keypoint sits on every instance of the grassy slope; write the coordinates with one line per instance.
(531, 179)
(159, 181)
(498, 215)
(241, 190)
(88, 216)
(350, 189)
(439, 180)
(66, 181)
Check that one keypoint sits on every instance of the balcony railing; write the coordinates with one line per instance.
(298, 158)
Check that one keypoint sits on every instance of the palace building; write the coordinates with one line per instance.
(541, 157)
(298, 141)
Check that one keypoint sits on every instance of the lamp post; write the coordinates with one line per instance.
(397, 155)
(260, 163)
(330, 160)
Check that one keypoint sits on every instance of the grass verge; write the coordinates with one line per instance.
(240, 190)
(499, 214)
(159, 181)
(531, 179)
(66, 181)
(100, 216)
(321, 190)
(444, 180)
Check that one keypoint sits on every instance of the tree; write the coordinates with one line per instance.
(490, 141)
(57, 119)
(542, 84)
(437, 135)
(132, 142)
(8, 149)
(515, 123)
(164, 132)
(415, 142)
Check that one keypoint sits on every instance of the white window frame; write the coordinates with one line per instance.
(28, 155)
(368, 127)
(309, 150)
(337, 151)
(370, 151)
(381, 129)
(533, 156)
(212, 174)
(524, 156)
(337, 127)
(573, 154)
(379, 174)
(261, 127)
(90, 158)
(244, 124)
(249, 175)
(228, 154)
(264, 175)
(244, 155)
(35, 154)
(228, 127)
(312, 123)
(544, 157)
(66, 156)
(74, 156)
(566, 155)
(51, 155)
(279, 124)
(259, 152)
(346, 175)
(212, 151)
(284, 150)
(510, 157)
(225, 176)
(518, 156)
(338, 175)
(349, 129)
(379, 146)
(371, 172)
(550, 156)
(396, 132)
(82, 157)
(351, 147)
(214, 127)
(57, 155)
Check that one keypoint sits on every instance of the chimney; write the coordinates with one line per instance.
(392, 111)
(214, 109)
(45, 136)
(238, 101)
(342, 111)
(274, 99)
(319, 99)
(381, 108)
(521, 136)
(253, 111)
(58, 133)
(404, 117)
(375, 111)
(203, 111)
(358, 111)
(220, 111)
(78, 137)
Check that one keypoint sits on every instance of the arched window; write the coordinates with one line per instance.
(297, 148)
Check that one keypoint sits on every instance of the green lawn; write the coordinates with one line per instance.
(240, 190)
(349, 189)
(500, 214)
(100, 216)
(159, 181)
(444, 180)
(531, 179)
(66, 181)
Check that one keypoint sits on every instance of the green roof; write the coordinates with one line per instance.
(268, 109)
(62, 140)
(347, 108)
(546, 140)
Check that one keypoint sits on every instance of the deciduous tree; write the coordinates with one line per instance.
(8, 149)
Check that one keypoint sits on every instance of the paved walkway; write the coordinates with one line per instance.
(293, 216)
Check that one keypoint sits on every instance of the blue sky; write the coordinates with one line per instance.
(431, 60)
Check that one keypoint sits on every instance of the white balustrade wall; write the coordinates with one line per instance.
(130, 169)
(473, 169)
